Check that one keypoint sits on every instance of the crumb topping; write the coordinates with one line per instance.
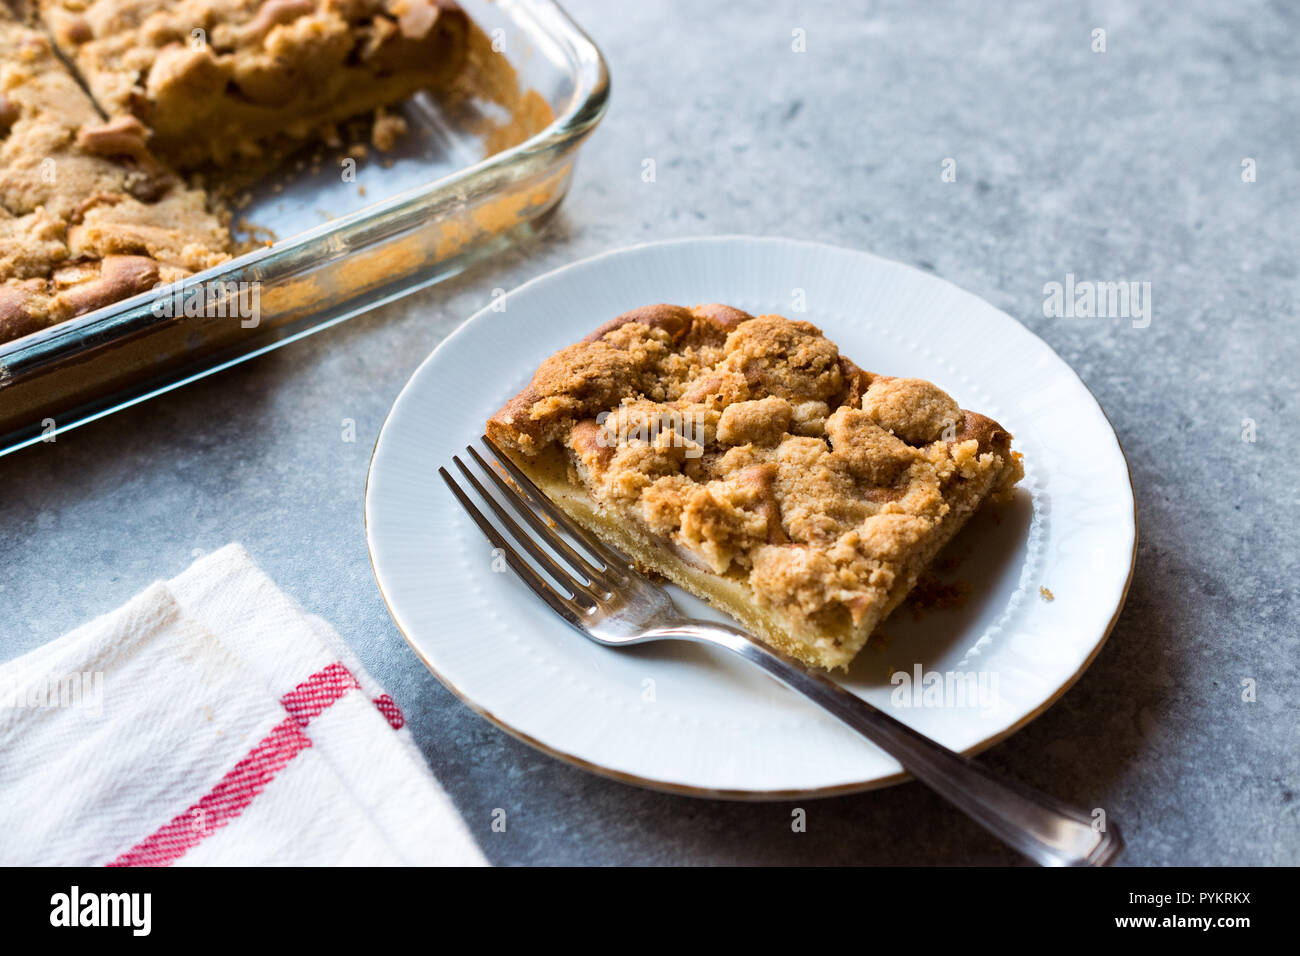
(755, 450)
(87, 215)
(217, 81)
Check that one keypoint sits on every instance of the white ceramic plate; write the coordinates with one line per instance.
(690, 719)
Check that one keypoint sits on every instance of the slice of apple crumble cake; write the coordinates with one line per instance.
(748, 461)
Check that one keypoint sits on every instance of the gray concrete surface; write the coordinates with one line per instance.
(1120, 166)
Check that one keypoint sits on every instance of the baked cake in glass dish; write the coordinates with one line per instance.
(746, 460)
(111, 109)
(216, 80)
(88, 215)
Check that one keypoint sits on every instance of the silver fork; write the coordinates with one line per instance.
(600, 594)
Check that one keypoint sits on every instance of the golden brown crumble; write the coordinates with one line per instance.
(754, 449)
(87, 215)
(222, 81)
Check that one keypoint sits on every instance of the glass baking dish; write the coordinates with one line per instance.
(472, 175)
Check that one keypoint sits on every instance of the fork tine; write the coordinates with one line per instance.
(547, 532)
(613, 560)
(558, 602)
(583, 594)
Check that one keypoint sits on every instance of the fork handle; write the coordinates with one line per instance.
(1049, 832)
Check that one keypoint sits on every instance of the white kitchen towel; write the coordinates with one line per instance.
(210, 720)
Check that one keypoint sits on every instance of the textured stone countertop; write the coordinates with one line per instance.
(1125, 165)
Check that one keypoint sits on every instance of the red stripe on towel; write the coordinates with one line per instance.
(388, 707)
(236, 790)
(312, 696)
(317, 692)
(223, 803)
